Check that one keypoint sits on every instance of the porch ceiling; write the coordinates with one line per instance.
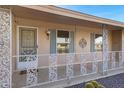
(29, 13)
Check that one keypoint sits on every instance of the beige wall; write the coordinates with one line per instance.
(44, 42)
(84, 32)
(116, 40)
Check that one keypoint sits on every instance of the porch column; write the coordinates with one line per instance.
(5, 48)
(105, 48)
(123, 40)
(122, 53)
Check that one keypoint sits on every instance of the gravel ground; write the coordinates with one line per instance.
(115, 81)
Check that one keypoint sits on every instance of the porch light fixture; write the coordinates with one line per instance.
(48, 33)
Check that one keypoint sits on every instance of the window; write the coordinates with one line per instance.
(63, 41)
(98, 42)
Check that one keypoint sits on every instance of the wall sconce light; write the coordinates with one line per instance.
(48, 34)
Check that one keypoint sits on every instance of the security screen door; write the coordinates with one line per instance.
(27, 43)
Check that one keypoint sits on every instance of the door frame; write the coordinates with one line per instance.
(17, 48)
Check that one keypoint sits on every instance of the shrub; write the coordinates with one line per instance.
(100, 86)
(96, 84)
(89, 85)
(93, 84)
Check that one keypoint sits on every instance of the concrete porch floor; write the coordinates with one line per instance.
(19, 80)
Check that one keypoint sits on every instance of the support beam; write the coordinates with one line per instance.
(5, 48)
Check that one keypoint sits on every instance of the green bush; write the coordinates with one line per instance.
(89, 85)
(93, 84)
(96, 84)
(100, 86)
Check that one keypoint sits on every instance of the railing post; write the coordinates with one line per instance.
(53, 67)
(123, 58)
(120, 59)
(83, 69)
(32, 72)
(105, 48)
(69, 66)
(113, 60)
(94, 54)
(5, 48)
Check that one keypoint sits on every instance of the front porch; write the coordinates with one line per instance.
(45, 49)
(72, 69)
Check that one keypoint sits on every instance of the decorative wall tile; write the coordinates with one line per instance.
(52, 67)
(28, 58)
(5, 48)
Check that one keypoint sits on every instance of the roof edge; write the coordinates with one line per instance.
(74, 14)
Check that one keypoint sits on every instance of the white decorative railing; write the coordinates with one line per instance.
(48, 68)
(53, 67)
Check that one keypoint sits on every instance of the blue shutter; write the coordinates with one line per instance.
(71, 47)
(52, 41)
(92, 42)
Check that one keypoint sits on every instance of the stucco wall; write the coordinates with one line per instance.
(84, 32)
(44, 42)
(116, 40)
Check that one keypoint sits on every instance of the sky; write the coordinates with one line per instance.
(114, 12)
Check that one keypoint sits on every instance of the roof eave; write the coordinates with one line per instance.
(73, 14)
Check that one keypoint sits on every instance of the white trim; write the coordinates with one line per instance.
(17, 30)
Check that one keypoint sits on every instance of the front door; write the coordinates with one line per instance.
(27, 47)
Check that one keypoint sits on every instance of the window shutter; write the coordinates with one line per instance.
(92, 42)
(71, 47)
(52, 41)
